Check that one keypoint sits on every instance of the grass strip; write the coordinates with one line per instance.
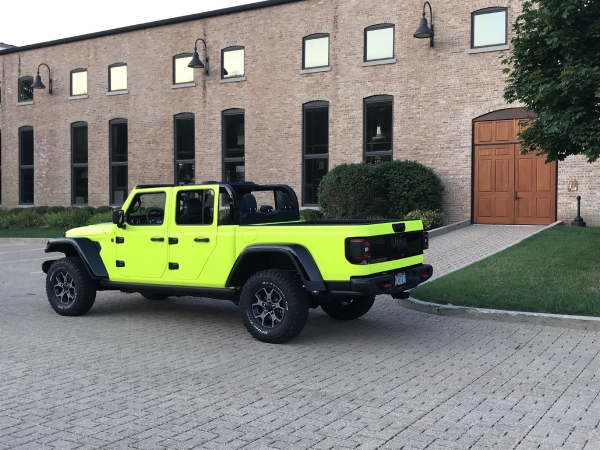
(32, 233)
(556, 271)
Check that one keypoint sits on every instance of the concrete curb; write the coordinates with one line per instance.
(464, 312)
(24, 240)
(448, 228)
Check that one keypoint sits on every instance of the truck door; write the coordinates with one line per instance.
(141, 247)
(193, 235)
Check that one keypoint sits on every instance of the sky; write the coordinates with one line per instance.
(56, 19)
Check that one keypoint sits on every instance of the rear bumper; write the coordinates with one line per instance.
(383, 283)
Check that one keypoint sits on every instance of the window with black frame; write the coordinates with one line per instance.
(489, 27)
(316, 149)
(118, 161)
(79, 82)
(185, 148)
(232, 60)
(117, 77)
(379, 42)
(26, 166)
(79, 163)
(181, 72)
(315, 51)
(25, 89)
(233, 145)
(378, 133)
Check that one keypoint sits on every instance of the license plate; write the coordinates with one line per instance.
(400, 279)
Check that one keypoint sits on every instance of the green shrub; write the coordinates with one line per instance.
(351, 191)
(430, 219)
(410, 186)
(104, 209)
(67, 218)
(100, 218)
(385, 190)
(24, 218)
(90, 209)
(41, 210)
(55, 209)
(223, 212)
(311, 214)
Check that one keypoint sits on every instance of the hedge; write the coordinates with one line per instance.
(384, 190)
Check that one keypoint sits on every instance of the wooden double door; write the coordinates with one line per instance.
(510, 188)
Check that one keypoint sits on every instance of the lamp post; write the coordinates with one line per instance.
(37, 84)
(195, 63)
(424, 31)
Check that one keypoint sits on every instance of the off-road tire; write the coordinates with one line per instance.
(274, 306)
(154, 296)
(69, 287)
(348, 308)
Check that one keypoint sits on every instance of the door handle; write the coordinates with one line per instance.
(516, 198)
(157, 239)
(201, 240)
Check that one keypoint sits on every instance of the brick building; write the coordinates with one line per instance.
(294, 88)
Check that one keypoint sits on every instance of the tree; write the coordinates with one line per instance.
(555, 72)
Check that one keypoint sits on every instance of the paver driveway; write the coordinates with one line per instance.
(184, 373)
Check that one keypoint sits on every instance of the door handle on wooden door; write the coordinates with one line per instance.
(516, 197)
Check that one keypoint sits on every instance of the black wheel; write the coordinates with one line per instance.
(348, 308)
(154, 296)
(70, 289)
(274, 306)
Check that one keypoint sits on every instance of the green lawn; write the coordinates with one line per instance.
(556, 271)
(32, 233)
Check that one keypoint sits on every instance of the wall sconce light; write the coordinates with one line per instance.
(37, 84)
(573, 186)
(195, 63)
(424, 31)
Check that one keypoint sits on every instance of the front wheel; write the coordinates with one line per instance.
(70, 289)
(274, 306)
(348, 308)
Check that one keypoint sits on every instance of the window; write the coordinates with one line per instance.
(118, 161)
(195, 207)
(316, 148)
(26, 166)
(25, 89)
(185, 145)
(233, 62)
(79, 163)
(117, 77)
(79, 82)
(147, 209)
(233, 145)
(315, 51)
(181, 72)
(488, 27)
(378, 117)
(379, 42)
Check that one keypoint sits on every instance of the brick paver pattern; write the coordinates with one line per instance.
(185, 374)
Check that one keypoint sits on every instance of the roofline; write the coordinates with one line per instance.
(158, 23)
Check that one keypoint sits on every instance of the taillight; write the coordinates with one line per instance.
(425, 240)
(360, 250)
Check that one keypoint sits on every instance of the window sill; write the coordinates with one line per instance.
(493, 48)
(124, 91)
(30, 102)
(232, 79)
(183, 85)
(25, 205)
(78, 97)
(316, 69)
(379, 62)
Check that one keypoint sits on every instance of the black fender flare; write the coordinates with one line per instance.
(298, 255)
(81, 247)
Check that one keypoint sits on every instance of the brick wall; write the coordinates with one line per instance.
(437, 93)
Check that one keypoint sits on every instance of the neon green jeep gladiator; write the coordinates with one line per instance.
(212, 240)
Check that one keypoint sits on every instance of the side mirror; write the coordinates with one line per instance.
(118, 218)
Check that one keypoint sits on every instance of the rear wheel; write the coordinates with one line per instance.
(274, 306)
(348, 308)
(69, 287)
